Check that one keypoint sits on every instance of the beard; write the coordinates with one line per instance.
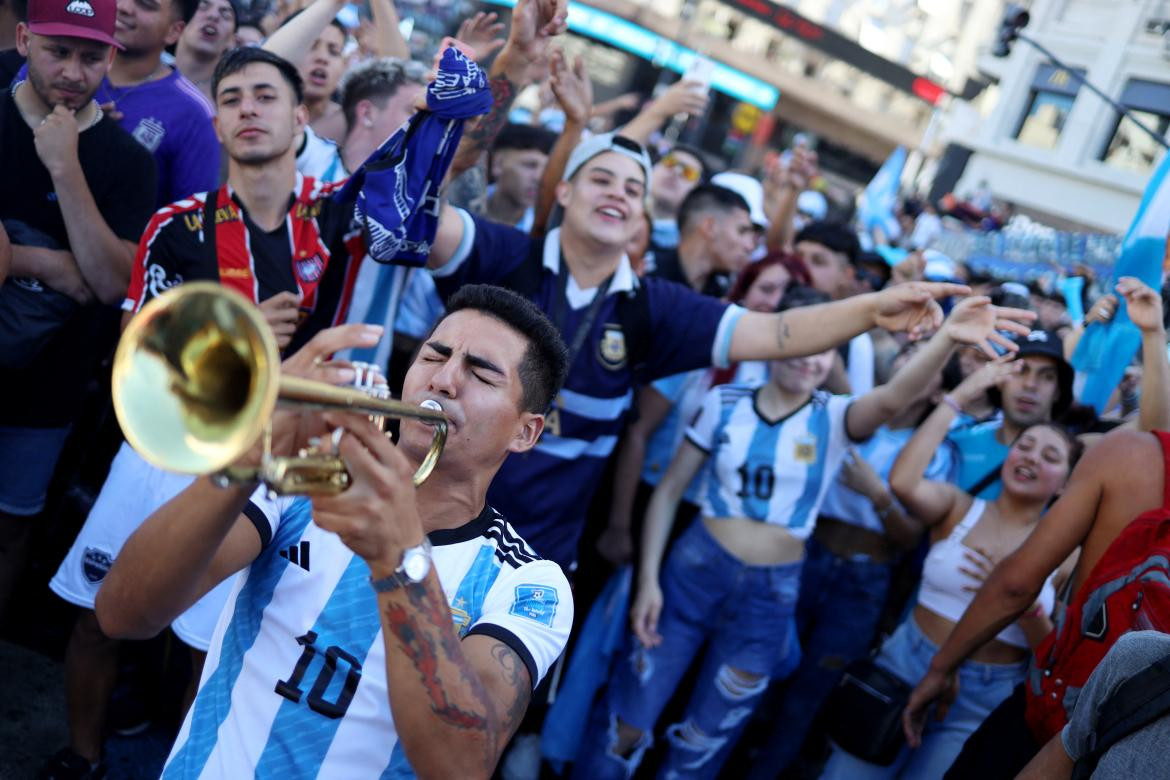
(44, 91)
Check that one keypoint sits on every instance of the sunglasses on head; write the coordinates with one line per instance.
(689, 172)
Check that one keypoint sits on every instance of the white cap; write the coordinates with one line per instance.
(938, 266)
(607, 142)
(813, 204)
(749, 189)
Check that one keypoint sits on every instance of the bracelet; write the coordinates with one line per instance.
(950, 401)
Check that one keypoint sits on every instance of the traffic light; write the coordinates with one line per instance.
(1015, 18)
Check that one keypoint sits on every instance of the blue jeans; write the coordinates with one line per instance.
(745, 615)
(840, 602)
(982, 687)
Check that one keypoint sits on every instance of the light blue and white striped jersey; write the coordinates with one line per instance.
(294, 685)
(880, 451)
(774, 472)
(685, 392)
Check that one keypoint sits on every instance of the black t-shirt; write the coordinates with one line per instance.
(121, 177)
(668, 266)
(10, 64)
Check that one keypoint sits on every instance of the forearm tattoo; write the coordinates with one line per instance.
(783, 335)
(515, 675)
(486, 129)
(427, 637)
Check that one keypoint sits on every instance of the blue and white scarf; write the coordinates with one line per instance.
(397, 189)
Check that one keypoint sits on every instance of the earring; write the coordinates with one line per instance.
(368, 122)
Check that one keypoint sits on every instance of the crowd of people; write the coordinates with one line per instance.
(722, 492)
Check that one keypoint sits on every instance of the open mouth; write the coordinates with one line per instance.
(611, 213)
(1025, 474)
(318, 77)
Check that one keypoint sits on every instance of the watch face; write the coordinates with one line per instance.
(416, 564)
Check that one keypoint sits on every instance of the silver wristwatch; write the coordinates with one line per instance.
(415, 566)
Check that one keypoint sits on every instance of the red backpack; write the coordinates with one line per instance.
(1128, 590)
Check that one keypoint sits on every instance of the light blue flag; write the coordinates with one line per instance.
(1105, 350)
(876, 209)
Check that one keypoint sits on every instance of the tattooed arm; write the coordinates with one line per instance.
(444, 692)
(534, 24)
(455, 703)
(810, 330)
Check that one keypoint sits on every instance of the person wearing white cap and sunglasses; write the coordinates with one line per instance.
(623, 331)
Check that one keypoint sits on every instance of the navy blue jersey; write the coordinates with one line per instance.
(545, 492)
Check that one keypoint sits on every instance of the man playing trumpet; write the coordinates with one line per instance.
(386, 630)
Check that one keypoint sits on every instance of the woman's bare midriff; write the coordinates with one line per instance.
(937, 628)
(753, 542)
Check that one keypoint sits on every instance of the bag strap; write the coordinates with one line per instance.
(987, 481)
(1138, 702)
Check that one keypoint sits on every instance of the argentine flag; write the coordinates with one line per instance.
(1106, 349)
(876, 207)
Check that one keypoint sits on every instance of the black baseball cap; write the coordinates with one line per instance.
(1046, 343)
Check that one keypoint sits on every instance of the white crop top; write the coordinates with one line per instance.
(942, 590)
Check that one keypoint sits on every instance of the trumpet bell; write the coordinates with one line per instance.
(195, 378)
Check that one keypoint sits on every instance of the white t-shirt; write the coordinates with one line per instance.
(295, 682)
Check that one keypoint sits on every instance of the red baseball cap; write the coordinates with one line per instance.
(89, 19)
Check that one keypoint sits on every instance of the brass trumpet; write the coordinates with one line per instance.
(196, 380)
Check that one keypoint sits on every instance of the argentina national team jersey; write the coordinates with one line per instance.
(775, 472)
(294, 685)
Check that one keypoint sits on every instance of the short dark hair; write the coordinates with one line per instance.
(546, 360)
(705, 198)
(376, 80)
(235, 60)
(524, 138)
(184, 10)
(798, 295)
(836, 236)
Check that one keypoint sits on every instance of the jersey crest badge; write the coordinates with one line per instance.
(149, 133)
(309, 269)
(95, 564)
(79, 7)
(805, 450)
(460, 616)
(612, 349)
(535, 602)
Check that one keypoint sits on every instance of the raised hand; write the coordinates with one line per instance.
(912, 307)
(55, 140)
(377, 517)
(860, 477)
(534, 23)
(975, 321)
(483, 33)
(987, 376)
(1143, 304)
(682, 97)
(571, 87)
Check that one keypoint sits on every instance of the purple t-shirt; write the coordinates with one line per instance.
(172, 119)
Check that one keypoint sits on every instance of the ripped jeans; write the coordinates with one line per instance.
(745, 615)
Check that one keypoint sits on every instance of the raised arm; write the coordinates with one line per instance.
(1144, 307)
(294, 39)
(973, 321)
(574, 93)
(809, 330)
(681, 97)
(534, 24)
(783, 185)
(388, 38)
